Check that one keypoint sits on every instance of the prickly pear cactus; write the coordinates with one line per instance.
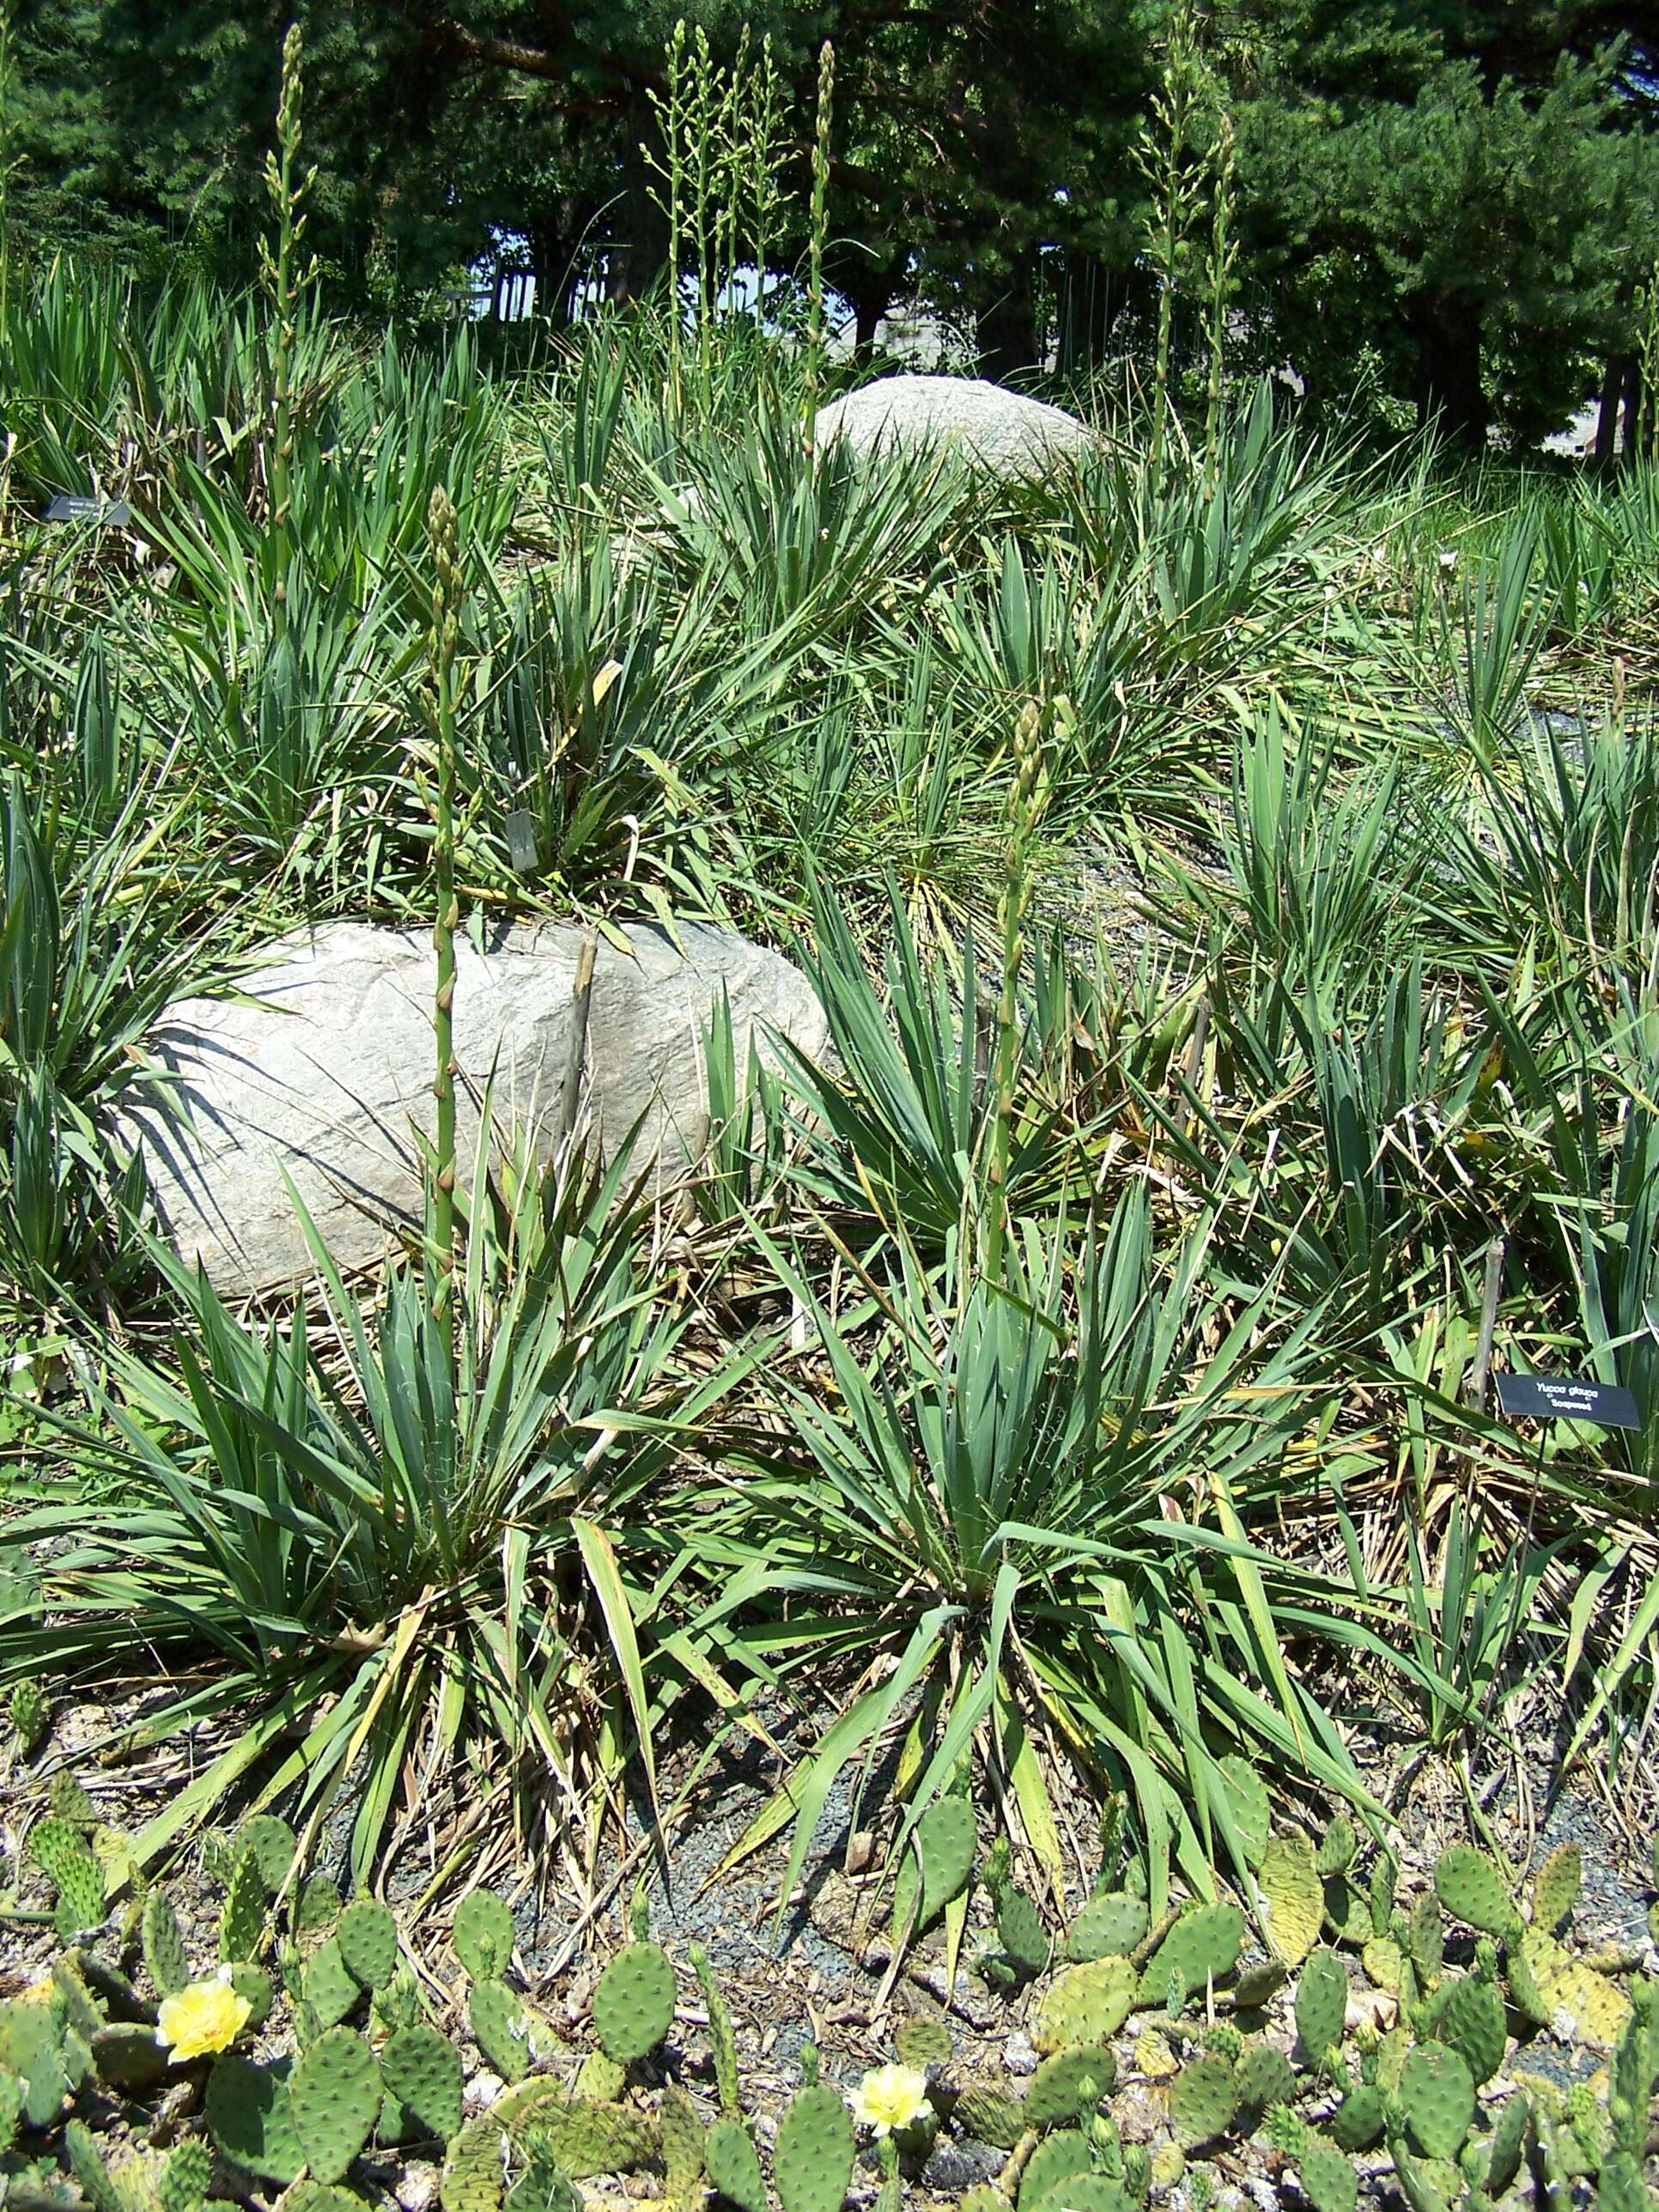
(1328, 2180)
(1470, 2018)
(1322, 2006)
(722, 2036)
(1020, 1931)
(812, 2157)
(1057, 2158)
(164, 1945)
(634, 2003)
(273, 1844)
(251, 2119)
(1470, 1886)
(1110, 1926)
(1085, 2005)
(921, 2042)
(1436, 2095)
(1358, 2122)
(944, 1841)
(1203, 2099)
(367, 1936)
(242, 1921)
(1555, 1889)
(482, 1936)
(422, 2070)
(1202, 1947)
(335, 2093)
(990, 2116)
(501, 2028)
(1265, 2079)
(1292, 1897)
(1069, 2085)
(1250, 1805)
(329, 1987)
(734, 2171)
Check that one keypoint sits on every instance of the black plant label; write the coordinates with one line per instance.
(1559, 1398)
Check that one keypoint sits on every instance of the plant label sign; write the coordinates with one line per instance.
(77, 507)
(1558, 1398)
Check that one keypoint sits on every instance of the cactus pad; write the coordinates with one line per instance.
(1426, 1936)
(1553, 1987)
(1437, 2092)
(242, 1921)
(734, 2170)
(1384, 1963)
(1328, 2180)
(317, 1908)
(1507, 2145)
(812, 2156)
(327, 1985)
(1322, 2006)
(990, 2116)
(482, 1936)
(501, 2028)
(272, 1843)
(368, 1937)
(1069, 2086)
(1020, 1931)
(1470, 2019)
(922, 2042)
(1265, 2079)
(1337, 1847)
(1085, 2192)
(944, 1841)
(335, 2093)
(1358, 2121)
(1108, 1926)
(1292, 1897)
(422, 2071)
(1249, 1804)
(1470, 1886)
(600, 2079)
(1555, 1889)
(1085, 2005)
(634, 2003)
(584, 2139)
(1203, 1946)
(164, 1945)
(1203, 2098)
(1055, 2158)
(250, 2117)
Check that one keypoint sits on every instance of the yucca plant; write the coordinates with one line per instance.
(96, 935)
(1016, 1510)
(310, 1531)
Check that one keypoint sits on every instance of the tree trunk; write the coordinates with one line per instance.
(1606, 420)
(638, 249)
(1449, 387)
(1008, 327)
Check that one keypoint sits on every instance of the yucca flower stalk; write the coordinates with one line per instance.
(10, 160)
(444, 536)
(288, 185)
(1165, 159)
(1219, 279)
(1027, 803)
(819, 231)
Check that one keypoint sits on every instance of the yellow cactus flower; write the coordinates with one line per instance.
(890, 2098)
(207, 2016)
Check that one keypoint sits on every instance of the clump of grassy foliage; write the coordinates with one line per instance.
(1075, 1376)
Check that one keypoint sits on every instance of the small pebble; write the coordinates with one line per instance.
(481, 2091)
(416, 2188)
(1019, 2053)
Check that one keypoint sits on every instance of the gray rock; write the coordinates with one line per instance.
(1012, 437)
(321, 1071)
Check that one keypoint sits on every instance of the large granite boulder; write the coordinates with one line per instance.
(321, 1070)
(1010, 436)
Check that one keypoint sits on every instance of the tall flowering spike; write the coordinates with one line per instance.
(443, 535)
